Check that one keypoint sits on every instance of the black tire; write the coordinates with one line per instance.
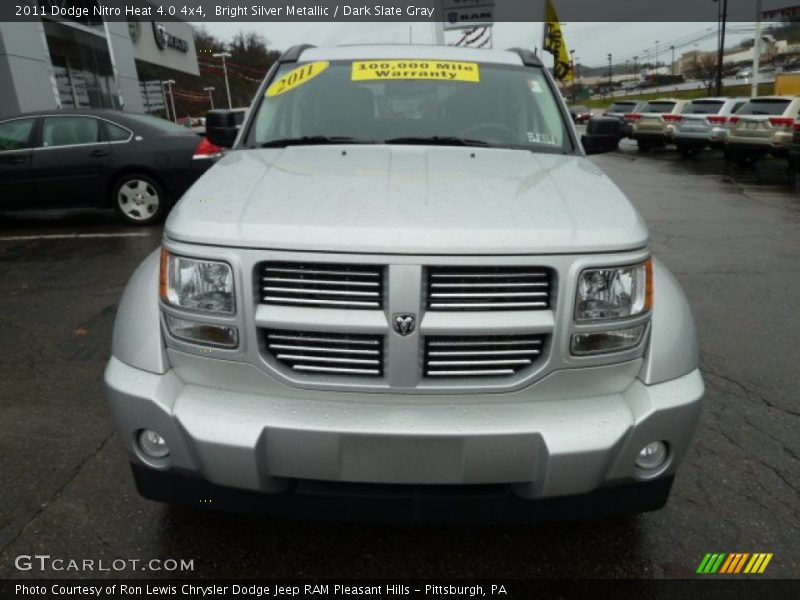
(686, 151)
(139, 199)
(643, 146)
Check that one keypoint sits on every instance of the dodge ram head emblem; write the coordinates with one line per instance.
(403, 323)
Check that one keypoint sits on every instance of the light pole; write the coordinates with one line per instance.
(635, 58)
(210, 91)
(223, 56)
(609, 71)
(656, 57)
(672, 70)
(169, 83)
(572, 66)
(723, 17)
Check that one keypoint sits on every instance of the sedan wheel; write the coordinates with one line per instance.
(139, 199)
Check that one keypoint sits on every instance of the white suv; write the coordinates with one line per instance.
(762, 126)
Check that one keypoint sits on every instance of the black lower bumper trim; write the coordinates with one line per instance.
(436, 504)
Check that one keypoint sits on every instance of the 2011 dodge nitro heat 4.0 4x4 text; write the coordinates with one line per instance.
(406, 292)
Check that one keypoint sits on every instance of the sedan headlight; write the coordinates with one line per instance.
(614, 293)
(198, 285)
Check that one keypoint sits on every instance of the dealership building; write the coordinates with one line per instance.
(53, 63)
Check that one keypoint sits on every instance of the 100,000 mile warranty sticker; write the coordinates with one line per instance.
(447, 70)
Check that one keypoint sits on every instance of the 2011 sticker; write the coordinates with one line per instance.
(444, 70)
(296, 77)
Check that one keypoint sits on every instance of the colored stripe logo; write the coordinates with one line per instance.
(734, 563)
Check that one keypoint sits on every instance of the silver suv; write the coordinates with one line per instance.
(704, 122)
(405, 290)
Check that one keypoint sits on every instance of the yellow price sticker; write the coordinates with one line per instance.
(296, 77)
(444, 70)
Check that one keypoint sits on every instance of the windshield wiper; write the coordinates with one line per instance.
(313, 140)
(437, 141)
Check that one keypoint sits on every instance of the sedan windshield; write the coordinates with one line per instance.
(410, 102)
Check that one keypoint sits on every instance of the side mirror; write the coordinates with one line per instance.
(221, 128)
(602, 135)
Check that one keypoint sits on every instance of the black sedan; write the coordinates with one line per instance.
(137, 164)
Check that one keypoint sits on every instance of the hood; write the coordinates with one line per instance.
(395, 199)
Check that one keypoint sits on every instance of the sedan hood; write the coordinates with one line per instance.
(407, 200)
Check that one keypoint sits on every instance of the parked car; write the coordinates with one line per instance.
(580, 114)
(654, 124)
(794, 148)
(620, 110)
(406, 289)
(137, 164)
(764, 125)
(704, 122)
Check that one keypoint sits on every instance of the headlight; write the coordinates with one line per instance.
(614, 293)
(200, 285)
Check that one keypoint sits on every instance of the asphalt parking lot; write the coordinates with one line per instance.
(731, 236)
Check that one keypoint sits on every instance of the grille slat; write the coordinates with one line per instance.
(480, 356)
(331, 353)
(322, 285)
(488, 288)
(484, 305)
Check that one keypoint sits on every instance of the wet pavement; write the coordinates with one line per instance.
(731, 236)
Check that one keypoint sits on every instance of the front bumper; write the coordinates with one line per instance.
(573, 432)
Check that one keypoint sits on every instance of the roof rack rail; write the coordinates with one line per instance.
(529, 58)
(293, 53)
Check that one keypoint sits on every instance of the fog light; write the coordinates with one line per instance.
(152, 444)
(652, 456)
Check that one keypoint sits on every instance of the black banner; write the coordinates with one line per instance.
(742, 587)
(388, 10)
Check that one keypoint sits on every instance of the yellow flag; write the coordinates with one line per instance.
(555, 44)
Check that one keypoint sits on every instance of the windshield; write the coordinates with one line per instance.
(622, 107)
(764, 107)
(409, 102)
(703, 107)
(658, 107)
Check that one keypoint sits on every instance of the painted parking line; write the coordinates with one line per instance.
(72, 236)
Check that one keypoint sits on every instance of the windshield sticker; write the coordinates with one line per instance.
(535, 137)
(447, 70)
(535, 87)
(296, 77)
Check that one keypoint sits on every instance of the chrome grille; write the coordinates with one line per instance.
(331, 353)
(488, 288)
(481, 356)
(322, 285)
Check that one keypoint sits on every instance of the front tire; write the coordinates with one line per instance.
(139, 199)
(686, 151)
(643, 146)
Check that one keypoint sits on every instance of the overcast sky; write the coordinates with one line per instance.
(591, 41)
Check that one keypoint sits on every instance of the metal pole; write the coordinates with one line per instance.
(210, 91)
(172, 100)
(756, 51)
(223, 56)
(672, 68)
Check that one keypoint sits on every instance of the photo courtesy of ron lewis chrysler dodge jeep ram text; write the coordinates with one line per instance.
(405, 292)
